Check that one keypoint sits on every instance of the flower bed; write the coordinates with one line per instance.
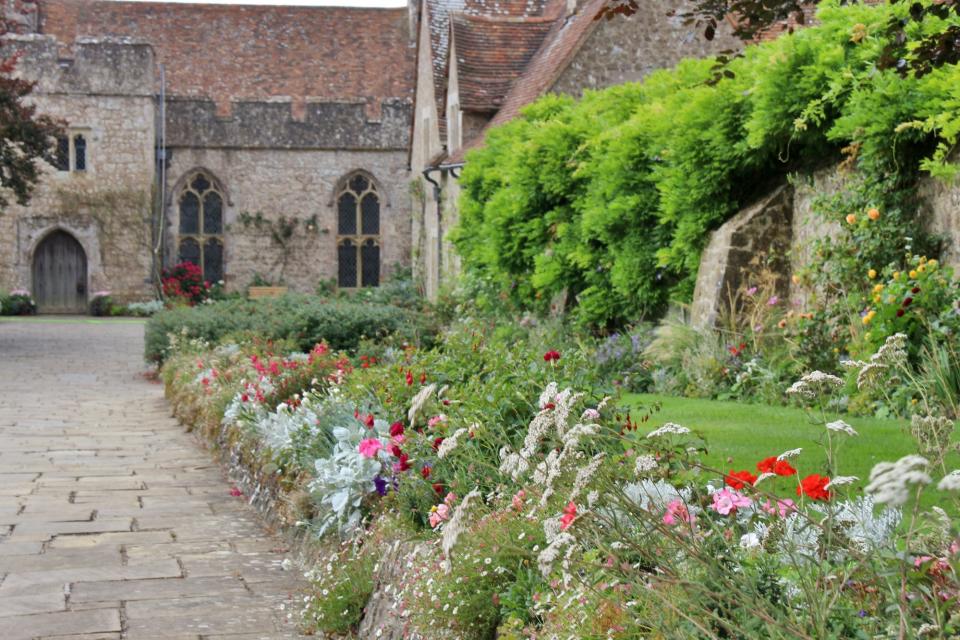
(468, 491)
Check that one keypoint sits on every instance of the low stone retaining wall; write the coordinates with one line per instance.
(276, 498)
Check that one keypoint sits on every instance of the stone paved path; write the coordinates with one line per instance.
(114, 523)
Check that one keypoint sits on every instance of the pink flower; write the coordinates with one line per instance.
(439, 514)
(518, 499)
(782, 508)
(726, 501)
(569, 515)
(399, 439)
(369, 447)
(236, 493)
(773, 301)
(676, 512)
(450, 499)
(435, 420)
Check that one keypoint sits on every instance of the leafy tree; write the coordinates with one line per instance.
(26, 137)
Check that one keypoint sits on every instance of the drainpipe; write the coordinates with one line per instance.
(437, 193)
(162, 158)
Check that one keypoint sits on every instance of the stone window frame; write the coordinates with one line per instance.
(358, 238)
(67, 159)
(201, 237)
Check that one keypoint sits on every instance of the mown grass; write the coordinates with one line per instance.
(738, 435)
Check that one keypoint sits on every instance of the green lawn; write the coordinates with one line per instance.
(738, 435)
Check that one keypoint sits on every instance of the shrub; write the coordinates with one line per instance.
(305, 320)
(17, 303)
(184, 281)
(144, 309)
(609, 200)
(101, 304)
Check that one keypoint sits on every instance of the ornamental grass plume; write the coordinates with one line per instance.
(457, 524)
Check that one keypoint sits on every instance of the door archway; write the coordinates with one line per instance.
(60, 274)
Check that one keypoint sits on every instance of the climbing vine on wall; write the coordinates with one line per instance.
(612, 198)
(282, 231)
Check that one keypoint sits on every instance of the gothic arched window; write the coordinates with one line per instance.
(358, 233)
(201, 226)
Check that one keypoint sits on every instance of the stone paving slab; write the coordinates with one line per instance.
(115, 524)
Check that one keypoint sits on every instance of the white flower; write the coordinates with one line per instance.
(548, 556)
(645, 463)
(950, 482)
(749, 541)
(792, 453)
(840, 481)
(668, 428)
(584, 475)
(450, 443)
(590, 414)
(814, 384)
(842, 427)
(764, 476)
(890, 481)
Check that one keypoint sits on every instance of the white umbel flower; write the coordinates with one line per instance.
(792, 453)
(842, 427)
(668, 428)
(450, 443)
(890, 481)
(814, 384)
(840, 481)
(950, 482)
(645, 462)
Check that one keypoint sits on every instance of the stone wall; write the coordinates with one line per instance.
(104, 92)
(629, 49)
(783, 225)
(291, 184)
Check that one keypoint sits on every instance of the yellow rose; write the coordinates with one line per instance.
(867, 318)
(872, 274)
(913, 274)
(896, 275)
(876, 298)
(932, 264)
(922, 268)
(877, 288)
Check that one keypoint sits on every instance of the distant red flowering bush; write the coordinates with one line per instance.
(185, 282)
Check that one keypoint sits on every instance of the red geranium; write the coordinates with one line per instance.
(396, 429)
(814, 487)
(779, 467)
(551, 356)
(738, 479)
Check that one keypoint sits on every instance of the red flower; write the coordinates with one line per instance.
(772, 465)
(900, 313)
(551, 356)
(814, 487)
(236, 493)
(403, 464)
(437, 443)
(915, 290)
(395, 451)
(738, 479)
(409, 378)
(907, 301)
(569, 515)
(425, 472)
(549, 406)
(438, 488)
(423, 378)
(368, 421)
(396, 429)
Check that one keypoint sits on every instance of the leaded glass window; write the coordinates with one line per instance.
(358, 233)
(201, 210)
(79, 153)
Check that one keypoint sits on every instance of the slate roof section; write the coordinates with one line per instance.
(491, 54)
(249, 52)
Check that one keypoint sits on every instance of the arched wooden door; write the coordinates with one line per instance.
(60, 275)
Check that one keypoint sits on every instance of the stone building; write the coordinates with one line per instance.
(480, 61)
(251, 140)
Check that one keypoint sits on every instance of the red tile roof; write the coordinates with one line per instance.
(559, 47)
(491, 54)
(437, 13)
(250, 52)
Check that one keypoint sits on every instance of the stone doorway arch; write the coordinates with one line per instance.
(60, 274)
